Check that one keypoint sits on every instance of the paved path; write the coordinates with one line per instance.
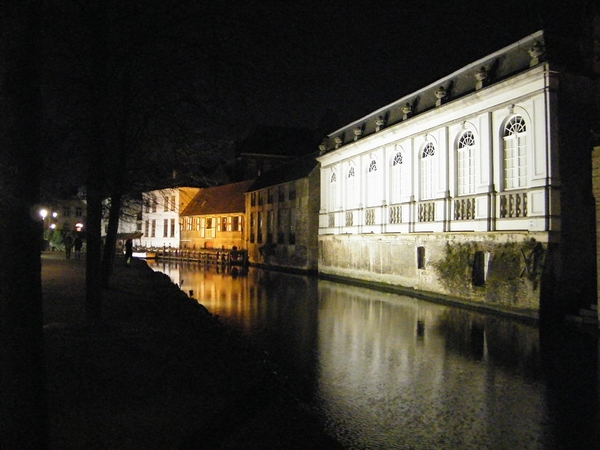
(63, 287)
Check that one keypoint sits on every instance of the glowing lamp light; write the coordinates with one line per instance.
(78, 226)
(52, 226)
(43, 213)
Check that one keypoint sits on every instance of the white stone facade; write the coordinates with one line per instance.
(160, 216)
(464, 171)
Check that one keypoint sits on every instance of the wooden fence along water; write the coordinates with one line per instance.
(230, 257)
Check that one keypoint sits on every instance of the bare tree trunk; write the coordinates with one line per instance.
(110, 243)
(118, 170)
(95, 183)
(23, 404)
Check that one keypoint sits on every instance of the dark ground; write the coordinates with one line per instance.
(159, 372)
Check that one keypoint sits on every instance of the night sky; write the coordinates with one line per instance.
(355, 57)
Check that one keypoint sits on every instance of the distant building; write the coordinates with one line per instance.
(65, 215)
(282, 207)
(476, 187)
(160, 216)
(130, 220)
(268, 147)
(214, 218)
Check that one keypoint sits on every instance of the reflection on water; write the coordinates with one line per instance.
(389, 371)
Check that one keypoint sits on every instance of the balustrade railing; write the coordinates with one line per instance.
(349, 218)
(464, 208)
(395, 214)
(427, 212)
(370, 216)
(513, 204)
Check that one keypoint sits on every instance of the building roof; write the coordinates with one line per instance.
(225, 199)
(498, 66)
(278, 141)
(291, 171)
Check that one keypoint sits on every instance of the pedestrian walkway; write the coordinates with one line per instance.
(63, 286)
(158, 372)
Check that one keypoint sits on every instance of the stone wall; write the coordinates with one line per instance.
(499, 269)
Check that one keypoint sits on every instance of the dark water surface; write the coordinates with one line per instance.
(387, 371)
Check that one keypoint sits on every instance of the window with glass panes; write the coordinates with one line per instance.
(466, 164)
(332, 192)
(515, 153)
(351, 187)
(373, 186)
(396, 180)
(427, 171)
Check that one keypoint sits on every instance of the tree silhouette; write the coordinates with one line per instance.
(23, 410)
(137, 85)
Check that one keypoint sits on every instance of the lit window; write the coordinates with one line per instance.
(428, 171)
(373, 186)
(351, 199)
(515, 153)
(466, 164)
(396, 177)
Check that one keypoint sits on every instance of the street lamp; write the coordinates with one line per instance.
(43, 215)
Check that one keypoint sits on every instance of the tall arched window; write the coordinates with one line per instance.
(515, 153)
(333, 192)
(428, 171)
(466, 164)
(351, 200)
(373, 185)
(396, 178)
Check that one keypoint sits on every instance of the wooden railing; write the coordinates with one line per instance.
(205, 256)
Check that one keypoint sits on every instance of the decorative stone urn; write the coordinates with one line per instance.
(338, 141)
(536, 52)
(379, 123)
(441, 94)
(322, 147)
(482, 77)
(407, 111)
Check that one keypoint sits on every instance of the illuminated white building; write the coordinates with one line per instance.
(476, 187)
(160, 216)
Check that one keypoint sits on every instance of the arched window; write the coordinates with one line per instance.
(515, 153)
(333, 192)
(373, 186)
(351, 200)
(428, 171)
(396, 178)
(466, 164)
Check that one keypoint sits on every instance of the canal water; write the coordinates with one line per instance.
(387, 371)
